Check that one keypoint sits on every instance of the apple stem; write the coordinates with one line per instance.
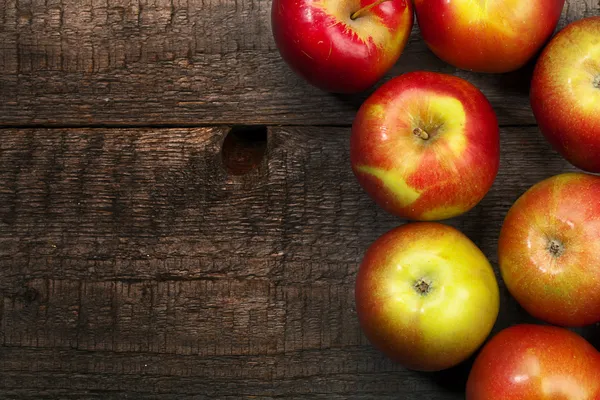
(556, 248)
(421, 133)
(363, 10)
(422, 286)
(597, 82)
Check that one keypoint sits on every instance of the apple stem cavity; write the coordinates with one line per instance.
(365, 9)
(418, 132)
(597, 82)
(423, 286)
(556, 248)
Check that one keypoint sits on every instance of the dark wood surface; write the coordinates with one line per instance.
(184, 62)
(144, 255)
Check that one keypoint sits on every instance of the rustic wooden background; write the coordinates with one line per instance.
(144, 255)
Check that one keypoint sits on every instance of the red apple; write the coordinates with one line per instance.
(487, 36)
(426, 296)
(425, 146)
(337, 49)
(565, 93)
(530, 362)
(549, 250)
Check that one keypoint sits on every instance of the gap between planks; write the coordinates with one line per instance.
(195, 126)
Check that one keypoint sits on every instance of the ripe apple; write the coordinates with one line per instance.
(425, 146)
(341, 46)
(426, 296)
(535, 362)
(549, 250)
(487, 36)
(565, 93)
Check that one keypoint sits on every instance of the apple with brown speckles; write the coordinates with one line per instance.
(565, 93)
(549, 250)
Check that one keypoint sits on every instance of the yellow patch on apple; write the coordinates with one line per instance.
(393, 182)
(484, 12)
(579, 66)
(442, 212)
(368, 28)
(445, 115)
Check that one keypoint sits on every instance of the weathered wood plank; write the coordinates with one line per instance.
(133, 265)
(147, 203)
(185, 62)
(333, 374)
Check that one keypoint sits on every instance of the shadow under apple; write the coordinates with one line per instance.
(453, 379)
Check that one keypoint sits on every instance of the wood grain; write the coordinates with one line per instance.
(185, 62)
(133, 265)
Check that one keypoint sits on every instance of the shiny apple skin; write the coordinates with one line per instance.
(435, 179)
(560, 288)
(565, 93)
(320, 42)
(442, 328)
(501, 38)
(531, 362)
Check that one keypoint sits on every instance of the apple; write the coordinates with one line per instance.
(535, 362)
(342, 46)
(487, 36)
(565, 93)
(425, 146)
(426, 296)
(549, 250)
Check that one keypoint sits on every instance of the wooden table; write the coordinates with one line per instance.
(140, 260)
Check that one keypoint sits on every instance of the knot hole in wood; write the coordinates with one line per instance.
(244, 148)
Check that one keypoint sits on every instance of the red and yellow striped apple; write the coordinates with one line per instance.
(425, 146)
(426, 296)
(487, 36)
(342, 46)
(549, 250)
(527, 362)
(565, 93)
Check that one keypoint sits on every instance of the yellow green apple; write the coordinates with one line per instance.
(426, 296)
